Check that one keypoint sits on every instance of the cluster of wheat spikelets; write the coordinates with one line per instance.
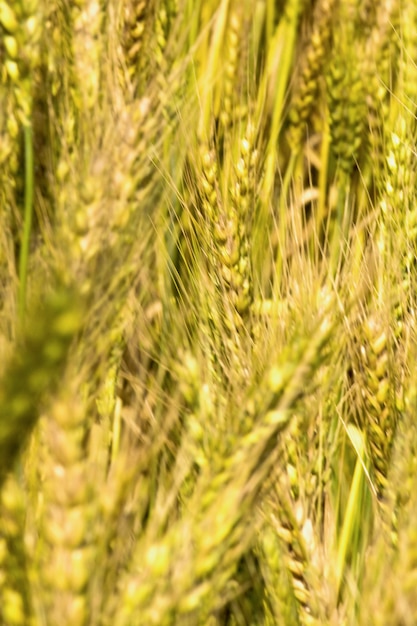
(207, 312)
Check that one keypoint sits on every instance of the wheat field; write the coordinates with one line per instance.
(208, 372)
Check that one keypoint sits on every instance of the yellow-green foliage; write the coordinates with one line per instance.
(207, 312)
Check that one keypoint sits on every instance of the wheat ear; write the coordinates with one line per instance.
(308, 80)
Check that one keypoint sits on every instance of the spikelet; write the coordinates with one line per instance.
(30, 376)
(87, 24)
(398, 176)
(295, 556)
(234, 247)
(378, 371)
(110, 203)
(143, 32)
(135, 28)
(396, 603)
(382, 358)
(407, 69)
(21, 25)
(148, 47)
(380, 67)
(209, 398)
(308, 80)
(169, 69)
(61, 86)
(396, 244)
(67, 512)
(232, 46)
(385, 42)
(209, 185)
(231, 98)
(280, 604)
(381, 412)
(225, 205)
(294, 506)
(398, 202)
(161, 34)
(346, 102)
(210, 212)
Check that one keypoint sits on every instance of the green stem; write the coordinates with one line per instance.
(353, 509)
(27, 219)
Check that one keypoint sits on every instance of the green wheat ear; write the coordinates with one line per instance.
(34, 369)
